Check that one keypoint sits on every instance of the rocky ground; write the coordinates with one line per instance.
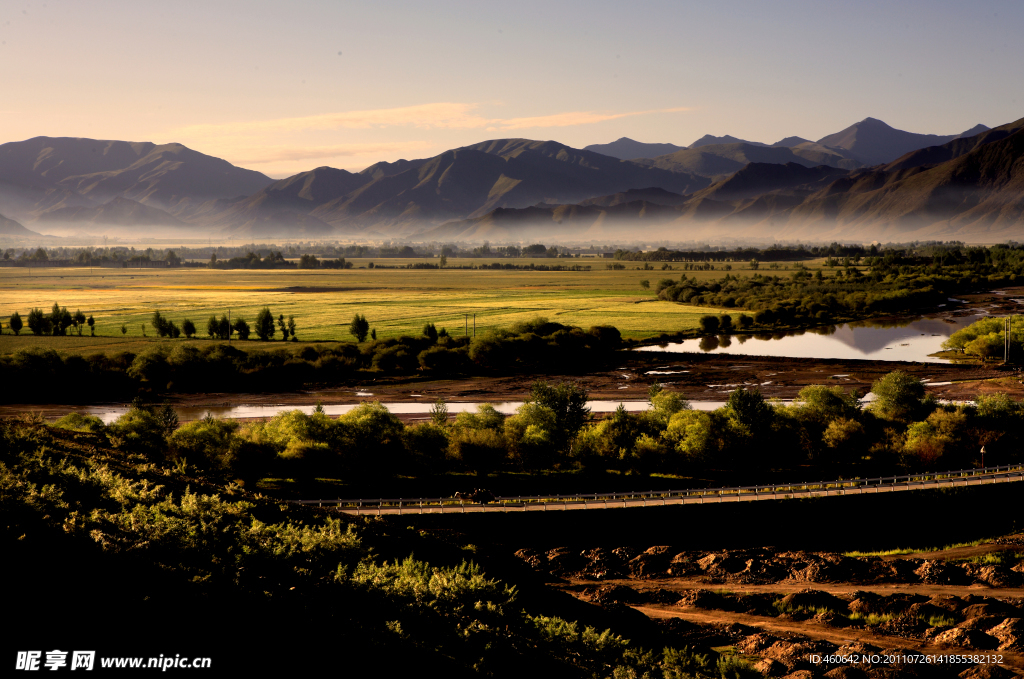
(905, 615)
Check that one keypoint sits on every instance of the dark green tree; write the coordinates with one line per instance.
(283, 327)
(39, 323)
(224, 328)
(78, 321)
(188, 327)
(568, 401)
(264, 325)
(291, 327)
(709, 324)
(213, 328)
(242, 328)
(15, 322)
(439, 413)
(92, 325)
(899, 396)
(750, 410)
(359, 328)
(430, 332)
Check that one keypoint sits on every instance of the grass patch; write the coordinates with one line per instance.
(902, 551)
(869, 619)
(395, 301)
(940, 621)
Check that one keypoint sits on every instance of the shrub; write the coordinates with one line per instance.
(80, 422)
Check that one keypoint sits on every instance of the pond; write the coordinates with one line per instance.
(911, 339)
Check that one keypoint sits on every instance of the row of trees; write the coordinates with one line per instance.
(182, 367)
(58, 322)
(901, 429)
(894, 283)
(987, 338)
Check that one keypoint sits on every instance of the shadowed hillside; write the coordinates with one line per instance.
(45, 173)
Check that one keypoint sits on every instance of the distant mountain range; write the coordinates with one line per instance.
(869, 142)
(398, 198)
(975, 194)
(68, 180)
(867, 181)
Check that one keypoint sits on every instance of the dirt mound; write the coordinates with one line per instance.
(991, 608)
(987, 672)
(814, 599)
(948, 604)
(1010, 633)
(654, 562)
(770, 668)
(941, 573)
(756, 643)
(614, 594)
(995, 576)
(906, 625)
(966, 638)
(702, 598)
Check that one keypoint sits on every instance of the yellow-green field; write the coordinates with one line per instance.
(394, 301)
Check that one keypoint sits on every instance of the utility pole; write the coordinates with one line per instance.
(474, 325)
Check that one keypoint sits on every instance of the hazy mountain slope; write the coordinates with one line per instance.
(625, 148)
(9, 227)
(756, 179)
(722, 159)
(979, 193)
(171, 177)
(407, 197)
(873, 142)
(554, 222)
(650, 195)
(933, 155)
(117, 212)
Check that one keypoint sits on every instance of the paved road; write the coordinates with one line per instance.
(415, 506)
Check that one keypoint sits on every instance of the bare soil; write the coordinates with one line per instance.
(777, 608)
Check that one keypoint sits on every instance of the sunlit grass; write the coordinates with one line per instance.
(903, 551)
(323, 302)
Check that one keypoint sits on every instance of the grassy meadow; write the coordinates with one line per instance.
(323, 301)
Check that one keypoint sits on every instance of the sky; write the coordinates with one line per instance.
(285, 87)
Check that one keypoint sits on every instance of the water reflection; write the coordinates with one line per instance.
(894, 339)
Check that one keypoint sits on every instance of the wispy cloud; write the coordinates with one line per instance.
(427, 116)
(284, 154)
(443, 115)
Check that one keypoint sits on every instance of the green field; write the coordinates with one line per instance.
(394, 301)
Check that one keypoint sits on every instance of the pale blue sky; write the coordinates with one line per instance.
(263, 85)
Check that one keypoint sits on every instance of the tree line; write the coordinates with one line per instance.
(529, 346)
(58, 322)
(895, 281)
(901, 431)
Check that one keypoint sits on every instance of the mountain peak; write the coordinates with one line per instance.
(625, 148)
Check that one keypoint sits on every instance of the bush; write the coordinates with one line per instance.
(80, 422)
(709, 324)
(206, 443)
(139, 430)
